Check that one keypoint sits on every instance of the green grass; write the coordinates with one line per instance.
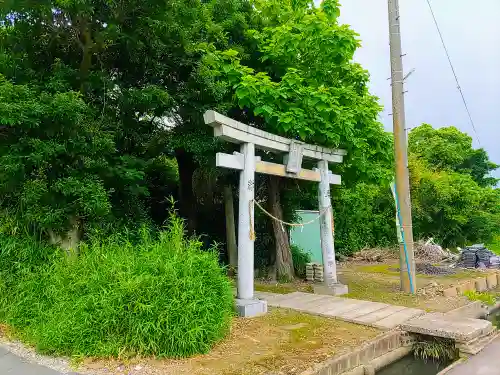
(390, 270)
(380, 292)
(386, 269)
(161, 296)
(485, 297)
(460, 275)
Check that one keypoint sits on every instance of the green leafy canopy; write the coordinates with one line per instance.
(304, 84)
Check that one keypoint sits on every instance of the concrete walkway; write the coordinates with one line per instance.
(487, 362)
(375, 314)
(10, 364)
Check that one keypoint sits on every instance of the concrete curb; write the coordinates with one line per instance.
(380, 362)
(389, 358)
(490, 281)
(452, 366)
(380, 352)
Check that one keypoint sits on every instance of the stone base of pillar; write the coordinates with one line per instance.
(249, 308)
(337, 289)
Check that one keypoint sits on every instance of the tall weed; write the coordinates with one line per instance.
(160, 296)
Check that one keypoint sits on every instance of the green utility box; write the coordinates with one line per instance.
(308, 237)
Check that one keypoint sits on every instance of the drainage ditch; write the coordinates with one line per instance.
(410, 365)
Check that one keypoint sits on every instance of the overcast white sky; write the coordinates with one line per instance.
(471, 31)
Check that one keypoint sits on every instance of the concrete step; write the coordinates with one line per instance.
(451, 327)
(490, 333)
(475, 346)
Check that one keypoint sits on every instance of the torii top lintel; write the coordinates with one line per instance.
(237, 132)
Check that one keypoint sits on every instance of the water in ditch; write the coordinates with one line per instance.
(409, 365)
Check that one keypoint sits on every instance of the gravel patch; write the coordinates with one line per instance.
(429, 269)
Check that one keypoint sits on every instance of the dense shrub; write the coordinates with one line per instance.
(451, 206)
(364, 217)
(494, 245)
(161, 296)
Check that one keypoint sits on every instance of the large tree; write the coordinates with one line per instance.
(450, 149)
(452, 195)
(301, 82)
(88, 91)
(452, 207)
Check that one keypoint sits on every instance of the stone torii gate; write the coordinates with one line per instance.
(247, 163)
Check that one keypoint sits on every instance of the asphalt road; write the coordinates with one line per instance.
(486, 362)
(11, 364)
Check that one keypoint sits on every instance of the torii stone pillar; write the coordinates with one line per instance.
(331, 284)
(245, 224)
(245, 161)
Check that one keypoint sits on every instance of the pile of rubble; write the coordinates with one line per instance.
(478, 256)
(375, 255)
(432, 289)
(426, 251)
(430, 252)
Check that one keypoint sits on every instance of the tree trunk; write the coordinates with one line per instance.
(284, 262)
(87, 47)
(70, 240)
(187, 200)
(232, 250)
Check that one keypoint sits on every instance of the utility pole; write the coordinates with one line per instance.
(403, 203)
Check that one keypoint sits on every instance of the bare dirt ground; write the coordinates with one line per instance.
(281, 342)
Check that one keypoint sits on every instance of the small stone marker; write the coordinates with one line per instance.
(310, 272)
(318, 273)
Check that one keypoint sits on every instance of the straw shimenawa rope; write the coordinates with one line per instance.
(282, 222)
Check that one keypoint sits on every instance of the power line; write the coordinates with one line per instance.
(453, 70)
